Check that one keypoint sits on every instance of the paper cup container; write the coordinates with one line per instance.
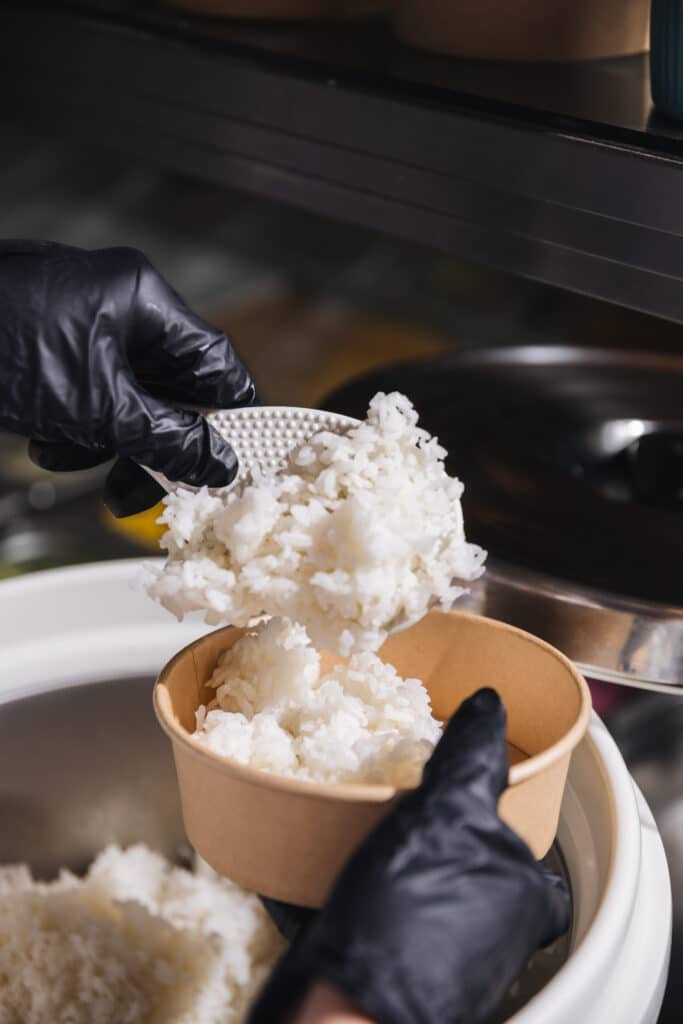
(288, 839)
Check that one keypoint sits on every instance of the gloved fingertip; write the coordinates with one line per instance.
(129, 490)
(216, 465)
(181, 445)
(473, 747)
(220, 472)
(485, 701)
(481, 718)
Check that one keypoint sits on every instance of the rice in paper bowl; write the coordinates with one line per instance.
(287, 837)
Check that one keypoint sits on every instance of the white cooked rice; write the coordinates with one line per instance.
(274, 711)
(361, 531)
(137, 941)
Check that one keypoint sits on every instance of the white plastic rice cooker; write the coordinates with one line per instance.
(67, 787)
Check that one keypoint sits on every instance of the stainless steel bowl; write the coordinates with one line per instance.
(82, 767)
(87, 765)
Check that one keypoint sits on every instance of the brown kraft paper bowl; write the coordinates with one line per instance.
(287, 838)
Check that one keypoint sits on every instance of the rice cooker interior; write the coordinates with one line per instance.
(98, 770)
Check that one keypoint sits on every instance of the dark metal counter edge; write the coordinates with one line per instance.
(592, 217)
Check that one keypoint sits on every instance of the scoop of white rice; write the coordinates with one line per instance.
(137, 941)
(362, 530)
(274, 710)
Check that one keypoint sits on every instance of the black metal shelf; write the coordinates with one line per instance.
(558, 173)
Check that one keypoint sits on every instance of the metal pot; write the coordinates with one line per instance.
(573, 465)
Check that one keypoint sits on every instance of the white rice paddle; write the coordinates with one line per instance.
(263, 437)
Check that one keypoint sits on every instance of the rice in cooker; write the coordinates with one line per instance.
(273, 710)
(363, 530)
(137, 941)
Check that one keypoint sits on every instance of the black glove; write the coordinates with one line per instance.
(441, 907)
(95, 349)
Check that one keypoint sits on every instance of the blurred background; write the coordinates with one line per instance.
(309, 302)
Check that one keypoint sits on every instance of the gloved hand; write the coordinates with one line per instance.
(440, 908)
(97, 353)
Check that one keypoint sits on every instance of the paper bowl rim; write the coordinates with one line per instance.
(363, 792)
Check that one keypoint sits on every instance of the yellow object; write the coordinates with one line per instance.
(142, 528)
